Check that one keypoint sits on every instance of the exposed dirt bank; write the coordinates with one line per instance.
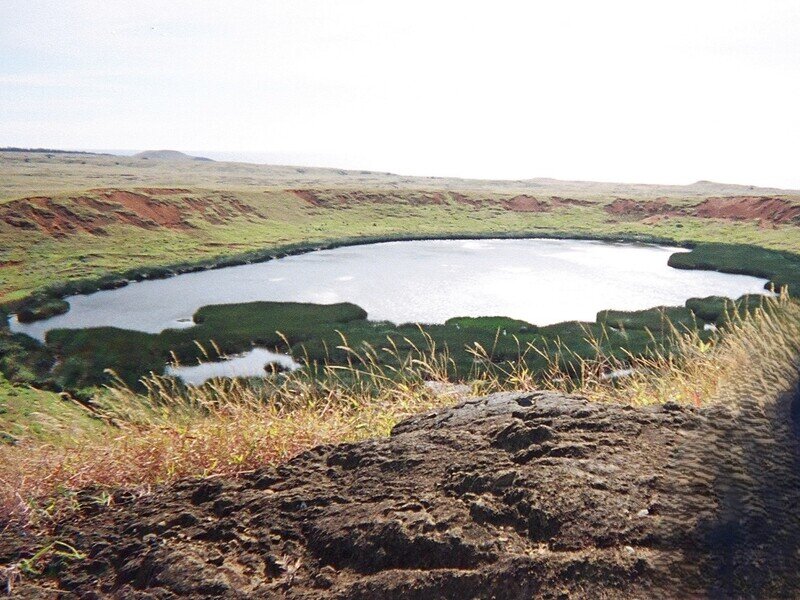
(93, 214)
(767, 209)
(518, 203)
(774, 210)
(511, 496)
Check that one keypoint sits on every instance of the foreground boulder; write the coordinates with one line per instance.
(508, 496)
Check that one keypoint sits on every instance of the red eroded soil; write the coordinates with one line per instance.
(57, 219)
(308, 196)
(85, 214)
(519, 203)
(640, 208)
(766, 209)
(146, 208)
(523, 203)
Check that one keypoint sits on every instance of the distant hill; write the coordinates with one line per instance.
(173, 155)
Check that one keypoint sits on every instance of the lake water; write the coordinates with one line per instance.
(246, 364)
(539, 281)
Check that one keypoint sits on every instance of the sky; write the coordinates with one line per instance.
(658, 92)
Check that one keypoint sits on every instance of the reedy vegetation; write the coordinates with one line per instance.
(229, 427)
(755, 355)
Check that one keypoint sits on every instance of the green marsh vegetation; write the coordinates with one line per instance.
(312, 333)
(77, 359)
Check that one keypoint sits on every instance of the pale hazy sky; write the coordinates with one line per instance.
(671, 91)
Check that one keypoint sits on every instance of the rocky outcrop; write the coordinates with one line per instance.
(508, 496)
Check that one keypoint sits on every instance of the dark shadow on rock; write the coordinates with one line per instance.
(752, 544)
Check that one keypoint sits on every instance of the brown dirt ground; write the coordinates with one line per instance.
(146, 208)
(775, 210)
(523, 203)
(511, 496)
(640, 208)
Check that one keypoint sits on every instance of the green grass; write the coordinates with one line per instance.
(38, 308)
(660, 318)
(30, 414)
(315, 334)
(24, 360)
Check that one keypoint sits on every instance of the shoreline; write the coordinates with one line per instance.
(58, 291)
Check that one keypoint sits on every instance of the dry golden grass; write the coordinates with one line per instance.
(231, 427)
(224, 427)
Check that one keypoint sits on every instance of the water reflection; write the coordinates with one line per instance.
(249, 364)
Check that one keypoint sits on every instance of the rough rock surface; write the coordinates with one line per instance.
(509, 496)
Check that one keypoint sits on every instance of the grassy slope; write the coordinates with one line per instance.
(30, 414)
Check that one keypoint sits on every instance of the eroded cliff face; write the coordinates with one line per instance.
(508, 496)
